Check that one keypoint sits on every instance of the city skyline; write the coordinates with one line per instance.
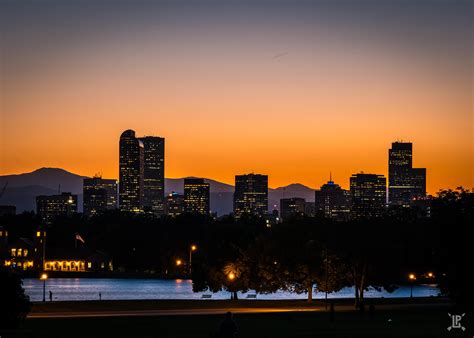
(344, 182)
(231, 168)
(295, 92)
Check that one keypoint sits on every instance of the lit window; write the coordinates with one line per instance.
(38, 233)
(13, 252)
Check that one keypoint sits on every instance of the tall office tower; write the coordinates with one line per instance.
(50, 207)
(174, 204)
(290, 207)
(99, 195)
(251, 195)
(333, 202)
(368, 194)
(154, 174)
(131, 172)
(196, 196)
(405, 183)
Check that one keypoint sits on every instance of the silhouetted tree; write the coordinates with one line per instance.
(452, 212)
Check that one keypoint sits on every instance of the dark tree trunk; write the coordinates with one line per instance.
(310, 293)
(362, 284)
(356, 288)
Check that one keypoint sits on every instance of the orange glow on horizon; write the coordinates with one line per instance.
(333, 101)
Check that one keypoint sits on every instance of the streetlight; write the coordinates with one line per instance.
(231, 276)
(179, 262)
(44, 277)
(191, 249)
(412, 279)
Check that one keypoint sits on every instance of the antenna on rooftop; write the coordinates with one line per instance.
(59, 188)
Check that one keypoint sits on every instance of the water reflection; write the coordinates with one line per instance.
(123, 289)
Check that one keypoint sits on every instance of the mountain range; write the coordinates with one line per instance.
(21, 190)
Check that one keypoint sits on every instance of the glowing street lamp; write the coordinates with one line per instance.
(179, 262)
(412, 279)
(192, 248)
(231, 277)
(44, 277)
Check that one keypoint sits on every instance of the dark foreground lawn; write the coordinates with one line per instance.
(415, 322)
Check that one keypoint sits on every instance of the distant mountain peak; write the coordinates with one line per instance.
(51, 169)
(295, 185)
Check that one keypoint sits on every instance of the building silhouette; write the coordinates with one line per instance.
(310, 209)
(368, 195)
(50, 207)
(131, 168)
(196, 196)
(154, 174)
(405, 183)
(7, 210)
(331, 201)
(174, 204)
(99, 195)
(251, 195)
(292, 207)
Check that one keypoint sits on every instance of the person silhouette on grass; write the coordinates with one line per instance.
(228, 328)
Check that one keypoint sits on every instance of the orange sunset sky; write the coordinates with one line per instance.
(290, 91)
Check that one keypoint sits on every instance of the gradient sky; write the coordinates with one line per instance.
(292, 89)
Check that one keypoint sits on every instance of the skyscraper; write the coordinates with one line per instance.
(332, 201)
(50, 207)
(174, 204)
(154, 174)
(405, 183)
(131, 168)
(290, 207)
(196, 196)
(251, 195)
(99, 195)
(368, 194)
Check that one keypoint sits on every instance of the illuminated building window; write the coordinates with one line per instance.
(89, 265)
(38, 234)
(25, 252)
(13, 252)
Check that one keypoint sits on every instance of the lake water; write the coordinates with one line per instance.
(121, 289)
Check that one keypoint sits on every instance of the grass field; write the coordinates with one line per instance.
(414, 321)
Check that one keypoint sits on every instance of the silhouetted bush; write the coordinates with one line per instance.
(14, 304)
